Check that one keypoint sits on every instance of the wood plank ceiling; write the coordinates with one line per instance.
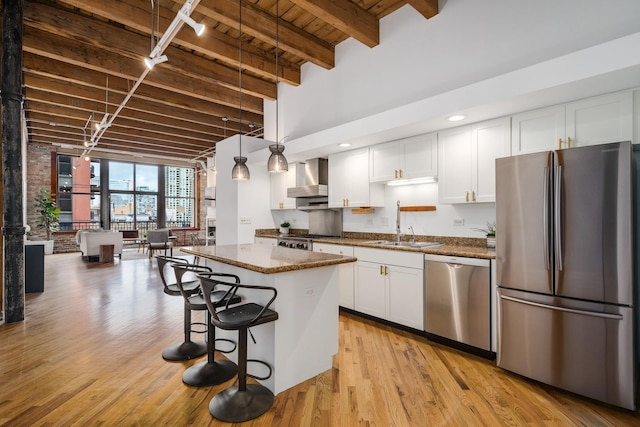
(83, 57)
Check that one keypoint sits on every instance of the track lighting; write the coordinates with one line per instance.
(151, 62)
(197, 27)
(103, 123)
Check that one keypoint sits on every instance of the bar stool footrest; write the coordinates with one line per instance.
(185, 351)
(199, 331)
(235, 406)
(235, 345)
(262, 363)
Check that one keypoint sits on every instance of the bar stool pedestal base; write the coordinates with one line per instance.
(185, 351)
(205, 374)
(235, 406)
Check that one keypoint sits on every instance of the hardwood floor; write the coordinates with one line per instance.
(89, 353)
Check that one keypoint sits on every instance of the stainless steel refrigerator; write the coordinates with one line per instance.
(564, 254)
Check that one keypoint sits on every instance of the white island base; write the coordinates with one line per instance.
(302, 342)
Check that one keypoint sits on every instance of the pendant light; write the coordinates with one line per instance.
(277, 163)
(240, 171)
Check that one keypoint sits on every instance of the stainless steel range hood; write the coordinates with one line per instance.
(316, 173)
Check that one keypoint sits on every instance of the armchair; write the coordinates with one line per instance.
(159, 240)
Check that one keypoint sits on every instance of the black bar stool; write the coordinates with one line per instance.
(187, 349)
(244, 401)
(212, 371)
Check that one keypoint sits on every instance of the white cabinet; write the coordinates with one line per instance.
(349, 185)
(271, 241)
(389, 285)
(345, 272)
(409, 158)
(280, 182)
(598, 120)
(466, 161)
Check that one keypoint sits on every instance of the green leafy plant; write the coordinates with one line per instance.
(285, 224)
(490, 231)
(48, 212)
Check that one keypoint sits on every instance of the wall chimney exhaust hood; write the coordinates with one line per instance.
(316, 173)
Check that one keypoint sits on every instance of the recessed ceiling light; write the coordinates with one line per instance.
(344, 144)
(455, 118)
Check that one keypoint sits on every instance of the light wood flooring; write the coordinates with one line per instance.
(89, 353)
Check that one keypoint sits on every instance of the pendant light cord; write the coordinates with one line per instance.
(240, 75)
(277, 94)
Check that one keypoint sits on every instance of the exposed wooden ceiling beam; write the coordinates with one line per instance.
(260, 24)
(79, 54)
(428, 8)
(107, 37)
(348, 17)
(66, 78)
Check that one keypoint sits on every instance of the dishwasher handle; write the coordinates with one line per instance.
(455, 260)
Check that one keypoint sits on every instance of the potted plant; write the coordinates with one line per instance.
(284, 227)
(48, 216)
(490, 232)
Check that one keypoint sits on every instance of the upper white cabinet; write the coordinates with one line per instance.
(466, 157)
(598, 120)
(414, 157)
(349, 185)
(280, 182)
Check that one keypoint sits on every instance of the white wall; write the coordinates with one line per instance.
(467, 42)
(433, 223)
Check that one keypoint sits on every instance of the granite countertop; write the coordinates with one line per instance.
(266, 259)
(452, 246)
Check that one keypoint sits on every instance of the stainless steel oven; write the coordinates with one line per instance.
(296, 242)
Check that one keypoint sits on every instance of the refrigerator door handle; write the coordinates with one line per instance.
(558, 216)
(567, 310)
(545, 219)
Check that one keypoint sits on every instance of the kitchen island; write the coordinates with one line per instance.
(302, 342)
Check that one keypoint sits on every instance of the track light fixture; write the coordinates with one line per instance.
(197, 27)
(103, 123)
(151, 62)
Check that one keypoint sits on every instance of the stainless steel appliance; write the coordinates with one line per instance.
(457, 299)
(296, 242)
(565, 271)
(316, 175)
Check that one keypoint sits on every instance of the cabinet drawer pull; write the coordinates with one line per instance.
(560, 144)
(381, 271)
(473, 196)
(395, 173)
(568, 142)
(400, 173)
(466, 196)
(386, 270)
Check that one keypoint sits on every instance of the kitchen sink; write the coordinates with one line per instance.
(405, 244)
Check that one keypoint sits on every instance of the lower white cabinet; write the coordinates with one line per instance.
(389, 285)
(345, 272)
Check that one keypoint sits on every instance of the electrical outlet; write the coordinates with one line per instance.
(384, 220)
(245, 220)
(458, 221)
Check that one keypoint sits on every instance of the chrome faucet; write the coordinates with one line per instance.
(413, 237)
(398, 234)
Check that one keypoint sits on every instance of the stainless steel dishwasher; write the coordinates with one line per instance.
(457, 299)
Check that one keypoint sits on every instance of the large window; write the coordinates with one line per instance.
(179, 197)
(135, 196)
(78, 193)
